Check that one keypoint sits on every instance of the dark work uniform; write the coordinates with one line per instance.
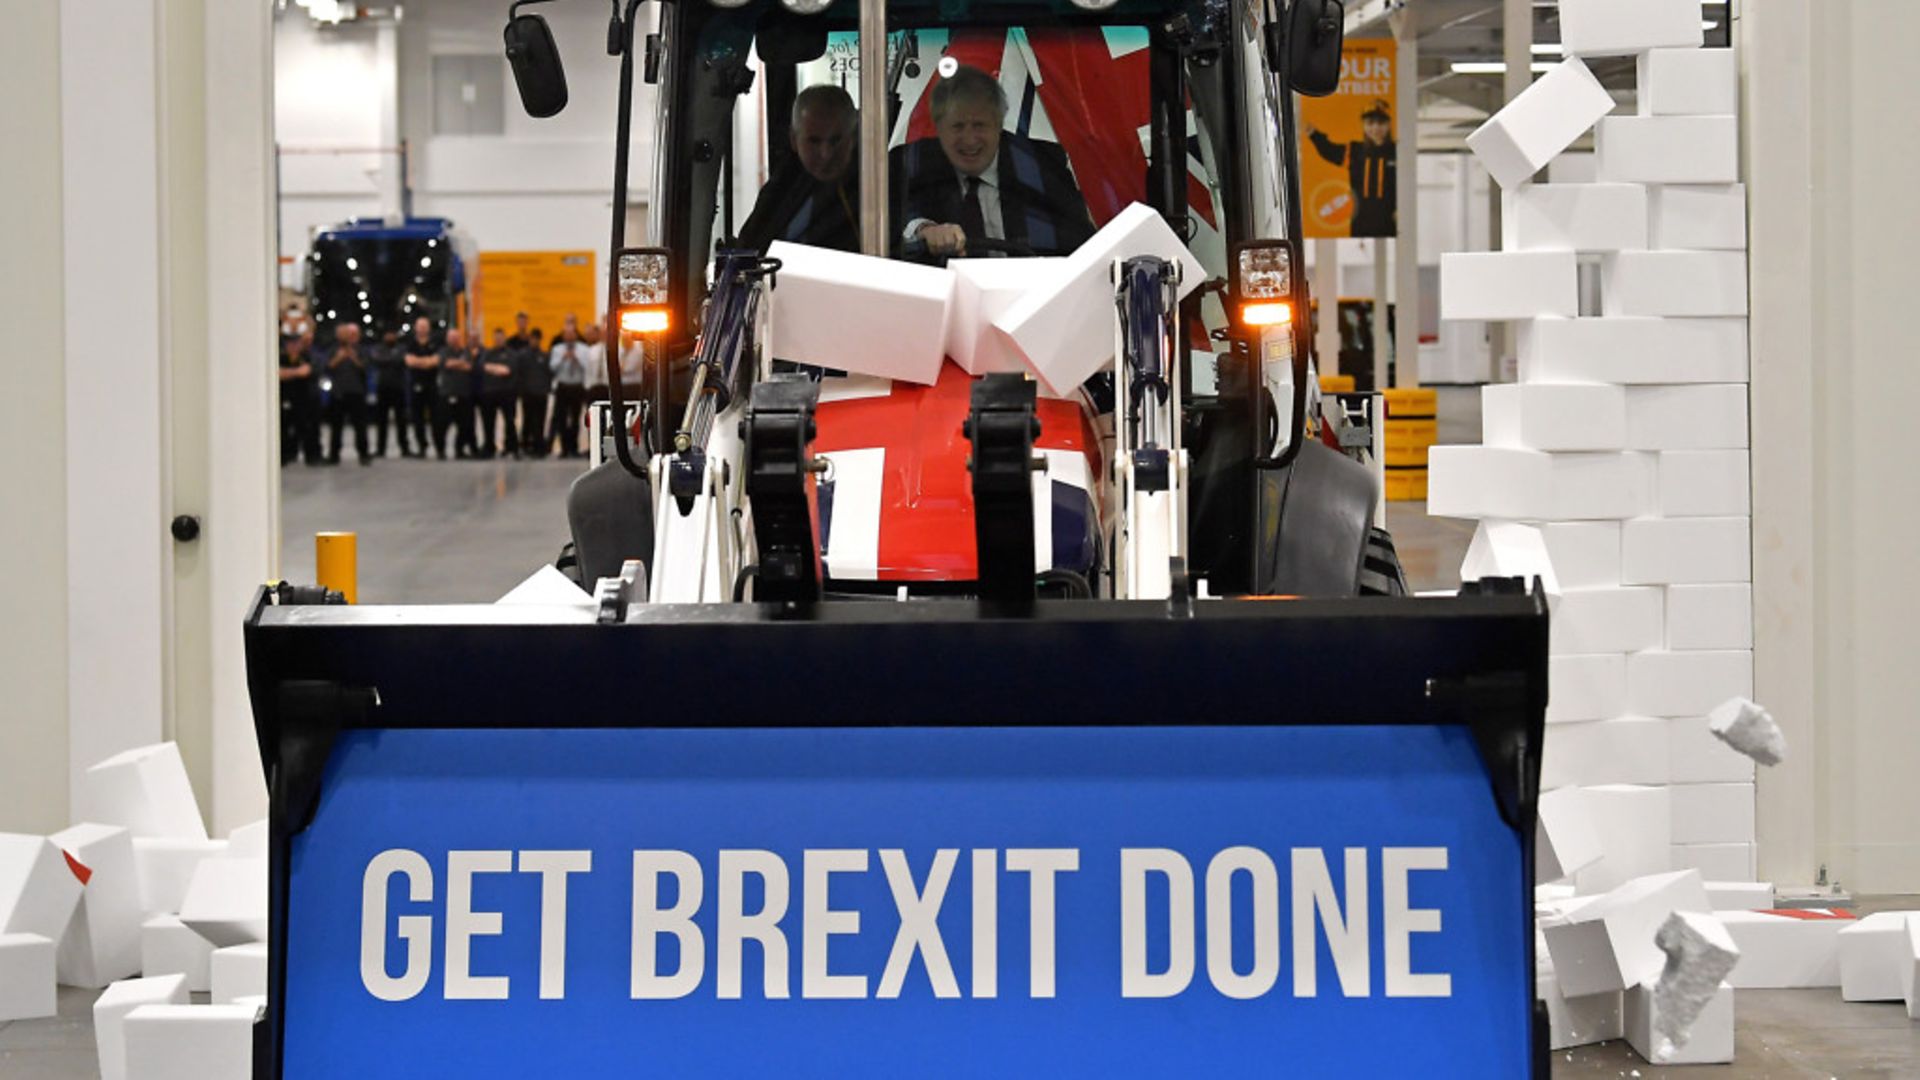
(299, 410)
(533, 381)
(454, 404)
(1041, 206)
(497, 396)
(798, 208)
(421, 386)
(347, 401)
(1374, 174)
(569, 365)
(388, 396)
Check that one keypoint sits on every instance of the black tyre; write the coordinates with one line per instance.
(1380, 572)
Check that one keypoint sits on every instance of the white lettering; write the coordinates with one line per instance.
(919, 923)
(820, 922)
(415, 930)
(1041, 864)
(734, 927)
(553, 868)
(1266, 922)
(650, 921)
(986, 923)
(1346, 936)
(1135, 980)
(1402, 922)
(464, 924)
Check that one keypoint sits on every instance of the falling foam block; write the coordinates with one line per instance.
(1578, 1021)
(546, 585)
(1699, 956)
(167, 947)
(102, 942)
(1873, 960)
(1625, 27)
(166, 867)
(39, 888)
(146, 791)
(26, 977)
(1567, 842)
(1533, 129)
(1063, 323)
(1609, 945)
(111, 1008)
(1750, 729)
(859, 313)
(1786, 950)
(190, 1042)
(239, 971)
(984, 290)
(1504, 549)
(1711, 1033)
(227, 902)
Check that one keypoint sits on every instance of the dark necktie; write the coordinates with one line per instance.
(971, 217)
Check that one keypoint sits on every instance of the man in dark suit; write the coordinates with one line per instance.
(813, 196)
(975, 181)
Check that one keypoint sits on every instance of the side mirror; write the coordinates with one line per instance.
(536, 65)
(1314, 33)
(1267, 298)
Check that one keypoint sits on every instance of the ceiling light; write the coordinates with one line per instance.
(1492, 67)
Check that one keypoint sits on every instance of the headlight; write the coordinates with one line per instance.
(1094, 5)
(807, 7)
(1265, 272)
(643, 277)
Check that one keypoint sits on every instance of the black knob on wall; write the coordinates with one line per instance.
(185, 528)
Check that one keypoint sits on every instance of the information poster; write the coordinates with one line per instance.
(547, 285)
(1349, 147)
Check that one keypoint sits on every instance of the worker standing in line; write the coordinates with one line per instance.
(388, 394)
(454, 401)
(299, 399)
(423, 348)
(597, 388)
(497, 394)
(534, 381)
(1372, 170)
(347, 400)
(569, 366)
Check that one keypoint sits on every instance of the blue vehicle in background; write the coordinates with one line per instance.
(385, 275)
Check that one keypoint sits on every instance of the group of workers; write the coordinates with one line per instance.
(432, 387)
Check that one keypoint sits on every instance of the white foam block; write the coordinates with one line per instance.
(1501, 482)
(1739, 895)
(1631, 351)
(1712, 813)
(1608, 945)
(102, 942)
(1674, 283)
(1709, 1040)
(1585, 554)
(546, 585)
(1628, 750)
(1727, 862)
(1689, 82)
(1750, 730)
(1911, 961)
(1505, 549)
(1686, 551)
(1623, 27)
(1633, 822)
(38, 890)
(1668, 149)
(1686, 684)
(1704, 417)
(1576, 217)
(239, 971)
(1064, 323)
(1698, 757)
(227, 902)
(1565, 839)
(1698, 217)
(983, 290)
(1533, 129)
(248, 841)
(1554, 417)
(1508, 284)
(1873, 952)
(859, 313)
(146, 790)
(1578, 1021)
(1785, 950)
(1710, 616)
(1620, 619)
(166, 866)
(167, 947)
(26, 977)
(1704, 483)
(1586, 687)
(111, 1008)
(190, 1042)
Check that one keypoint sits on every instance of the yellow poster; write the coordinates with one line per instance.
(547, 285)
(1348, 161)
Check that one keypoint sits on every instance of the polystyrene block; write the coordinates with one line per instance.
(1629, 750)
(1689, 82)
(1698, 757)
(1704, 483)
(1575, 217)
(1786, 950)
(546, 585)
(1686, 684)
(1508, 284)
(1586, 687)
(1698, 217)
(1500, 482)
(227, 902)
(1554, 417)
(1566, 840)
(1632, 351)
(1872, 957)
(1686, 551)
(1738, 895)
(1623, 27)
(1709, 1038)
(248, 841)
(860, 313)
(1712, 813)
(38, 888)
(1728, 862)
(1633, 822)
(983, 290)
(1705, 417)
(239, 971)
(1608, 945)
(1911, 960)
(1674, 283)
(1505, 549)
(1669, 149)
(1063, 324)
(111, 1008)
(1585, 554)
(1749, 729)
(1532, 130)
(190, 1042)
(166, 866)
(1619, 619)
(1578, 1021)
(167, 947)
(102, 942)
(146, 790)
(26, 977)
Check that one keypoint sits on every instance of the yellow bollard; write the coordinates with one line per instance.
(336, 563)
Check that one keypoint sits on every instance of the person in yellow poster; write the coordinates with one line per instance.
(1371, 170)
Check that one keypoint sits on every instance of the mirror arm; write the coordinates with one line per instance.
(620, 33)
